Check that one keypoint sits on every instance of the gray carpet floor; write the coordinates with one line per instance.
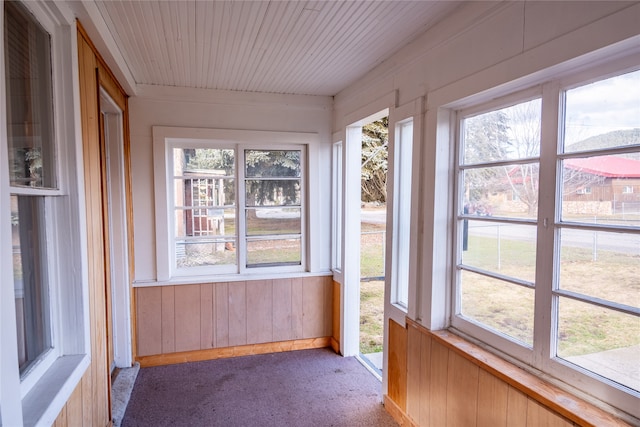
(298, 388)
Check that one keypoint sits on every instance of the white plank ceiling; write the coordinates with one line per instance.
(286, 47)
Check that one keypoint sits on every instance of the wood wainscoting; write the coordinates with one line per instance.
(178, 323)
(437, 378)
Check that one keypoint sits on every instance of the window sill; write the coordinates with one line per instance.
(46, 399)
(194, 280)
(564, 403)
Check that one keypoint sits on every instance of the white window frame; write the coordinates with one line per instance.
(164, 139)
(46, 387)
(541, 357)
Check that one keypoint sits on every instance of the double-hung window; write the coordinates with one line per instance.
(44, 336)
(547, 241)
(231, 207)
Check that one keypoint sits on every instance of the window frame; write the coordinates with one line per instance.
(165, 137)
(541, 357)
(45, 388)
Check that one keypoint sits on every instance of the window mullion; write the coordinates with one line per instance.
(241, 212)
(545, 313)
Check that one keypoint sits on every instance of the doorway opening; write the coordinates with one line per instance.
(373, 226)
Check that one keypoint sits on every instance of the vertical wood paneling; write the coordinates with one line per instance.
(414, 360)
(336, 311)
(282, 309)
(462, 391)
(87, 405)
(516, 408)
(538, 415)
(425, 379)
(237, 313)
(168, 323)
(74, 406)
(312, 312)
(149, 320)
(327, 317)
(259, 311)
(207, 339)
(297, 306)
(221, 313)
(187, 317)
(492, 400)
(397, 366)
(438, 384)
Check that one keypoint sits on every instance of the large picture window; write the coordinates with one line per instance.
(548, 231)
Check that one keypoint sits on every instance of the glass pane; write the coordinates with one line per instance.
(506, 191)
(204, 192)
(604, 114)
(601, 340)
(265, 253)
(200, 253)
(204, 162)
(29, 99)
(602, 265)
(506, 134)
(205, 222)
(603, 189)
(273, 193)
(507, 249)
(499, 305)
(273, 221)
(30, 279)
(272, 163)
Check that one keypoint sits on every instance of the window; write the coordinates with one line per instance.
(41, 282)
(552, 279)
(627, 189)
(402, 170)
(234, 207)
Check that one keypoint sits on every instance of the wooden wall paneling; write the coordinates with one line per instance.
(149, 321)
(438, 384)
(397, 366)
(312, 314)
(425, 379)
(462, 391)
(327, 306)
(538, 415)
(516, 408)
(237, 313)
(87, 405)
(260, 310)
(335, 325)
(492, 400)
(207, 304)
(414, 363)
(282, 310)
(168, 323)
(221, 313)
(187, 317)
(74, 407)
(297, 308)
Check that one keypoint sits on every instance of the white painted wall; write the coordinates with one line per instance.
(195, 108)
(480, 46)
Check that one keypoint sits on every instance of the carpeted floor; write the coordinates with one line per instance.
(299, 388)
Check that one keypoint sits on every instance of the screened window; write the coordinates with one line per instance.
(547, 263)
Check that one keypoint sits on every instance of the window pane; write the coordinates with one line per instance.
(506, 191)
(602, 265)
(210, 162)
(29, 100)
(600, 340)
(272, 163)
(273, 221)
(198, 253)
(204, 191)
(506, 134)
(604, 114)
(273, 192)
(205, 222)
(263, 253)
(498, 305)
(601, 189)
(30, 278)
(503, 248)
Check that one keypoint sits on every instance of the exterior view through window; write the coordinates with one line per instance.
(554, 276)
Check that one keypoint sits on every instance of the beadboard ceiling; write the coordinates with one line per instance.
(284, 47)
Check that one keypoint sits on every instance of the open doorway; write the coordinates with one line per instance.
(373, 226)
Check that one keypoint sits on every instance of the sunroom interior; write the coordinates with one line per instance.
(192, 179)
